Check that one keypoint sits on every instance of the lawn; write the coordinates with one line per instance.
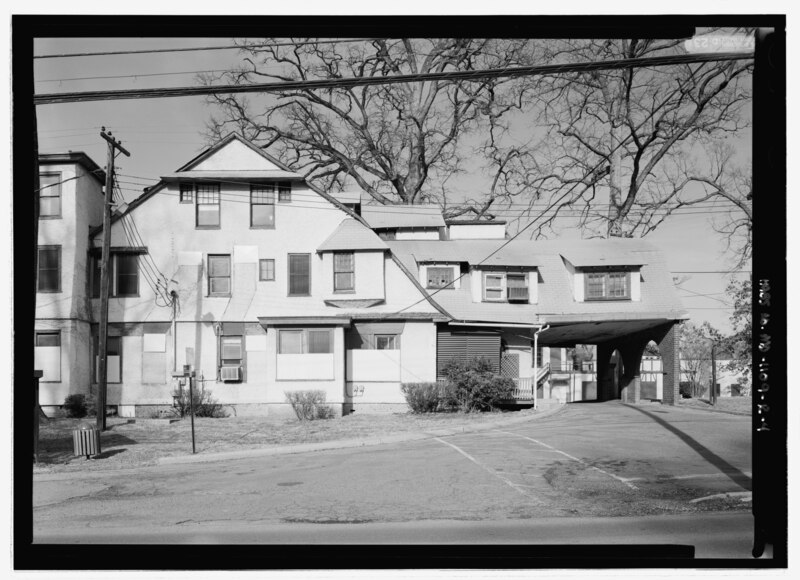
(734, 405)
(133, 444)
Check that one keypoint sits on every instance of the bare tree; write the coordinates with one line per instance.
(653, 138)
(399, 143)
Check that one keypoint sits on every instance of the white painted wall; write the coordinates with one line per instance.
(419, 234)
(369, 277)
(373, 365)
(477, 232)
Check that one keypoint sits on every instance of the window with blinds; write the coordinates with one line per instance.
(219, 275)
(344, 277)
(299, 274)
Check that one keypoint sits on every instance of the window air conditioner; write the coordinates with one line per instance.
(230, 374)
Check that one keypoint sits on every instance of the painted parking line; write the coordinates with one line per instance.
(680, 477)
(516, 487)
(545, 445)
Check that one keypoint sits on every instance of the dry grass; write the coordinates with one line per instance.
(126, 444)
(733, 405)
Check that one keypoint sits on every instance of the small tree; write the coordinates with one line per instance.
(309, 405)
(474, 386)
(205, 405)
(695, 350)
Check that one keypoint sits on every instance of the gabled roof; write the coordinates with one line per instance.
(234, 175)
(351, 235)
(402, 216)
(611, 252)
(485, 252)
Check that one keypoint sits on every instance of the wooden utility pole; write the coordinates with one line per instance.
(102, 379)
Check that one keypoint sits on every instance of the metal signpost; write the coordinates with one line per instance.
(189, 374)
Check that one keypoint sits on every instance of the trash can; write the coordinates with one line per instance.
(86, 441)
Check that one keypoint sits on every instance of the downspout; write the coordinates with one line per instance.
(174, 296)
(536, 364)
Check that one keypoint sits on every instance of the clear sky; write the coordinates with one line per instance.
(163, 134)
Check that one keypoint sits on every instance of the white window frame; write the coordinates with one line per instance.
(503, 275)
(304, 342)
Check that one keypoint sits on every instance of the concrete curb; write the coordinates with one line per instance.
(351, 443)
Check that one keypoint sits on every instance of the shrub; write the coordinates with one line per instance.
(205, 405)
(309, 405)
(474, 386)
(75, 406)
(425, 397)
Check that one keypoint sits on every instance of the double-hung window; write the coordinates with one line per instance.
(493, 288)
(123, 275)
(47, 354)
(262, 205)
(49, 276)
(50, 195)
(505, 287)
(219, 275)
(344, 277)
(299, 274)
(607, 285)
(208, 205)
(305, 341)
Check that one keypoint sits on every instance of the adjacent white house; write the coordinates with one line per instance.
(234, 265)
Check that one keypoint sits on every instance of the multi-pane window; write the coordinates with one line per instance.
(262, 205)
(505, 286)
(440, 277)
(308, 341)
(50, 195)
(344, 277)
(187, 193)
(386, 342)
(266, 270)
(49, 279)
(608, 285)
(284, 191)
(299, 274)
(208, 207)
(123, 275)
(219, 275)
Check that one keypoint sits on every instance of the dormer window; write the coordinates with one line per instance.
(505, 287)
(440, 277)
(607, 284)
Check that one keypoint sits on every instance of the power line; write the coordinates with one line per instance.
(53, 98)
(199, 48)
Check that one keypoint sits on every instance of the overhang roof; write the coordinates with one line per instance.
(304, 320)
(351, 236)
(488, 253)
(78, 157)
(402, 216)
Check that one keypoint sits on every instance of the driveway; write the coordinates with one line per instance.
(591, 460)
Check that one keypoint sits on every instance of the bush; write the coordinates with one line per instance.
(309, 405)
(205, 405)
(473, 385)
(75, 406)
(425, 397)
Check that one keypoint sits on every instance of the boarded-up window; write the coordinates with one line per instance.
(154, 357)
(299, 274)
(319, 341)
(290, 342)
(47, 355)
(344, 278)
(113, 359)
